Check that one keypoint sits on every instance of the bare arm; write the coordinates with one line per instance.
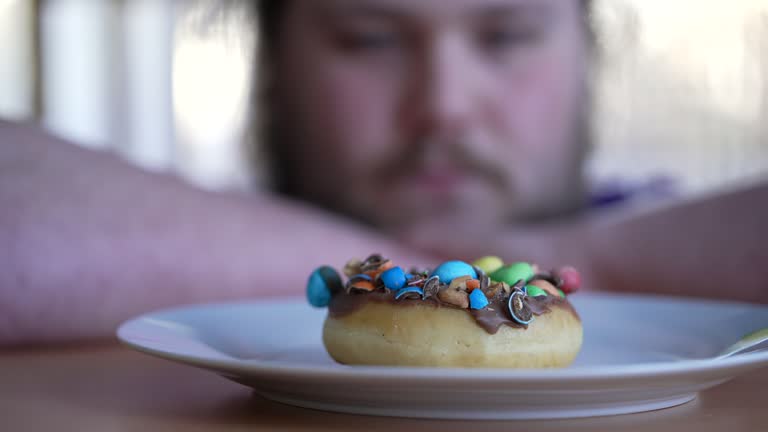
(713, 247)
(87, 241)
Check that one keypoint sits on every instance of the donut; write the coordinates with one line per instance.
(484, 314)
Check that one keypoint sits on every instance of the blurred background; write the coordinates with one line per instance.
(681, 86)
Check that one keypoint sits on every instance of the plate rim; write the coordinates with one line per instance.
(453, 376)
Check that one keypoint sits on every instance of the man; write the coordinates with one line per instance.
(440, 122)
(462, 127)
(400, 112)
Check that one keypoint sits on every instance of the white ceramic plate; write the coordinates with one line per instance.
(639, 354)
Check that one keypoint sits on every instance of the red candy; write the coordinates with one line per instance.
(571, 279)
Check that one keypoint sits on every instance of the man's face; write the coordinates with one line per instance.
(403, 111)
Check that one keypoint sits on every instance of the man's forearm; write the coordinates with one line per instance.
(713, 247)
(87, 241)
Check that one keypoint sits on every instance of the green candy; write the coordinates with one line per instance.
(512, 273)
(488, 264)
(562, 294)
(534, 291)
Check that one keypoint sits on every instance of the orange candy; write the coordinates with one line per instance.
(472, 284)
(363, 285)
(386, 265)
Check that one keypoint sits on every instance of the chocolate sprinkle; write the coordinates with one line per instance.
(431, 286)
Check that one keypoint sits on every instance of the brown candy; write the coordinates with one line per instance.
(497, 291)
(456, 292)
(454, 297)
(460, 283)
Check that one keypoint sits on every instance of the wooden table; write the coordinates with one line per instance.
(111, 388)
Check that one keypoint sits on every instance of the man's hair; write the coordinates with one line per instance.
(267, 152)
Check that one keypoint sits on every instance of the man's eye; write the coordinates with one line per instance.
(368, 42)
(500, 39)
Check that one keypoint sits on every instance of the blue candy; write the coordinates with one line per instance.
(393, 278)
(407, 290)
(321, 285)
(450, 270)
(477, 299)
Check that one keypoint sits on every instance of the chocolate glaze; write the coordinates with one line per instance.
(490, 318)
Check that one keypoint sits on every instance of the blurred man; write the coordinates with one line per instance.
(441, 121)
(400, 112)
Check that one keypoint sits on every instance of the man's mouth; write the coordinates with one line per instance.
(440, 181)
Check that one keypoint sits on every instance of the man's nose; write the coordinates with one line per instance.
(445, 90)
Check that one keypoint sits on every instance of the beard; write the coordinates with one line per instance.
(448, 178)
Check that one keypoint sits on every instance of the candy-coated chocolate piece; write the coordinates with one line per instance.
(477, 300)
(534, 291)
(546, 286)
(497, 290)
(570, 277)
(360, 282)
(394, 278)
(459, 283)
(373, 262)
(456, 297)
(473, 284)
(331, 278)
(562, 294)
(488, 264)
(322, 283)
(513, 273)
(384, 266)
(518, 308)
(450, 270)
(362, 285)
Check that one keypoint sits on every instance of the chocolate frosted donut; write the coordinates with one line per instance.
(457, 315)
